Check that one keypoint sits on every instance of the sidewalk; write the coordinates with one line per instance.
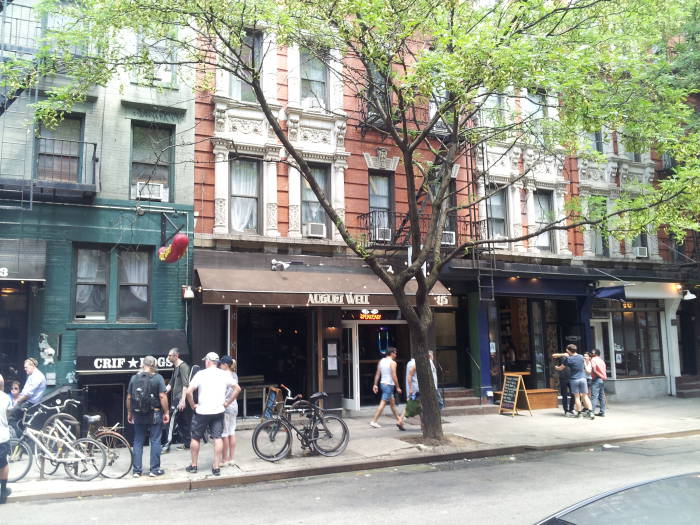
(470, 436)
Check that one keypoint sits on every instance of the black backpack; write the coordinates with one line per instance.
(142, 399)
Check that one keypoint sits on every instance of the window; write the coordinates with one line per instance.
(634, 156)
(377, 94)
(245, 189)
(92, 276)
(314, 80)
(496, 213)
(543, 217)
(162, 69)
(597, 143)
(598, 207)
(536, 113)
(150, 162)
(133, 285)
(100, 271)
(251, 56)
(641, 241)
(59, 151)
(637, 338)
(311, 210)
(380, 200)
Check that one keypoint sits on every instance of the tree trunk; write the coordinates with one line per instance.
(430, 410)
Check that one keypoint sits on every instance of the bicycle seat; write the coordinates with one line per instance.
(89, 420)
(318, 395)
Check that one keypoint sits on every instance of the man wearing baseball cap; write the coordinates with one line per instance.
(210, 384)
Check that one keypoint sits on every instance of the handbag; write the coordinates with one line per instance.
(413, 407)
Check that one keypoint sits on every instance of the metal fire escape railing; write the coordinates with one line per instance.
(20, 31)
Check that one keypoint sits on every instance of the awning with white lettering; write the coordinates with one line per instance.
(304, 287)
(121, 351)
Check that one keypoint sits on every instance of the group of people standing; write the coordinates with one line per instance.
(582, 382)
(386, 382)
(203, 404)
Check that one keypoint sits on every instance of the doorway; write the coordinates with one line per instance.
(364, 344)
(601, 341)
(14, 316)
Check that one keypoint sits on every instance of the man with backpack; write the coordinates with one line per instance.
(147, 409)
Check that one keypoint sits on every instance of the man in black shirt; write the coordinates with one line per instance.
(567, 398)
(182, 413)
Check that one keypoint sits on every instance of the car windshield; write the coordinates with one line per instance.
(671, 501)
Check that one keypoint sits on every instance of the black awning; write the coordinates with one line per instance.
(22, 260)
(119, 351)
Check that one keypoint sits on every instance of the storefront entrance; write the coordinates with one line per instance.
(14, 314)
(364, 344)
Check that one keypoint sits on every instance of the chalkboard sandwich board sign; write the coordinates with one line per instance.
(512, 385)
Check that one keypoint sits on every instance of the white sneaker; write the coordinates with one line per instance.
(374, 424)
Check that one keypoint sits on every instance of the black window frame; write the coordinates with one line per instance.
(550, 234)
(40, 140)
(89, 317)
(149, 284)
(259, 197)
(133, 184)
(245, 91)
(493, 190)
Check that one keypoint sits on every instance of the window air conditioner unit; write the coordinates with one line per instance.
(641, 252)
(382, 234)
(315, 229)
(151, 191)
(448, 238)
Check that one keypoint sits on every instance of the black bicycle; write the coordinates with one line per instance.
(316, 430)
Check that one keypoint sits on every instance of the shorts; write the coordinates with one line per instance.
(202, 422)
(4, 452)
(387, 391)
(579, 386)
(229, 424)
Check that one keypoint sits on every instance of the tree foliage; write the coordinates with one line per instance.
(587, 65)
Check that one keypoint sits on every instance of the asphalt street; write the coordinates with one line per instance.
(504, 490)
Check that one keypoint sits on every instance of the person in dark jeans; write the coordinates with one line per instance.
(182, 413)
(567, 398)
(150, 421)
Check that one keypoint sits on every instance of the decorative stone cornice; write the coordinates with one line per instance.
(382, 161)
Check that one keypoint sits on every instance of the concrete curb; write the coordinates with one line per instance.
(354, 466)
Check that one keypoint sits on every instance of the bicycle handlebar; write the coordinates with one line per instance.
(289, 396)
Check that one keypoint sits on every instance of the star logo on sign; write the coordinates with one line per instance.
(132, 363)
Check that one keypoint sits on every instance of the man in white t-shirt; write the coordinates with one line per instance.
(211, 384)
(5, 405)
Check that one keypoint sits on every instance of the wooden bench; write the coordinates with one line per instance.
(539, 398)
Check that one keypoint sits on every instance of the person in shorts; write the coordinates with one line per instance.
(211, 385)
(228, 365)
(579, 386)
(386, 377)
(5, 406)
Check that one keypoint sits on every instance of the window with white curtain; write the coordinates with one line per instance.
(134, 279)
(245, 191)
(543, 217)
(151, 155)
(251, 56)
(91, 277)
(314, 80)
(311, 210)
(380, 200)
(496, 212)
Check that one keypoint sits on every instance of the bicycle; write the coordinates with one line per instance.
(317, 431)
(119, 454)
(83, 459)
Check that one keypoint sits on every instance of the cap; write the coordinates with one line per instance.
(211, 356)
(226, 360)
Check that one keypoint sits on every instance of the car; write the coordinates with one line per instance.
(673, 500)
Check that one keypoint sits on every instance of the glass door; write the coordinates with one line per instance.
(349, 370)
(601, 341)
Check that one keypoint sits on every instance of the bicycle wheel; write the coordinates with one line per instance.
(272, 440)
(330, 435)
(119, 455)
(68, 428)
(57, 450)
(19, 460)
(85, 459)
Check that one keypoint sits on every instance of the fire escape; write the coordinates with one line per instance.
(36, 164)
(389, 232)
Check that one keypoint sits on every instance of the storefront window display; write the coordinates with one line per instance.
(637, 339)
